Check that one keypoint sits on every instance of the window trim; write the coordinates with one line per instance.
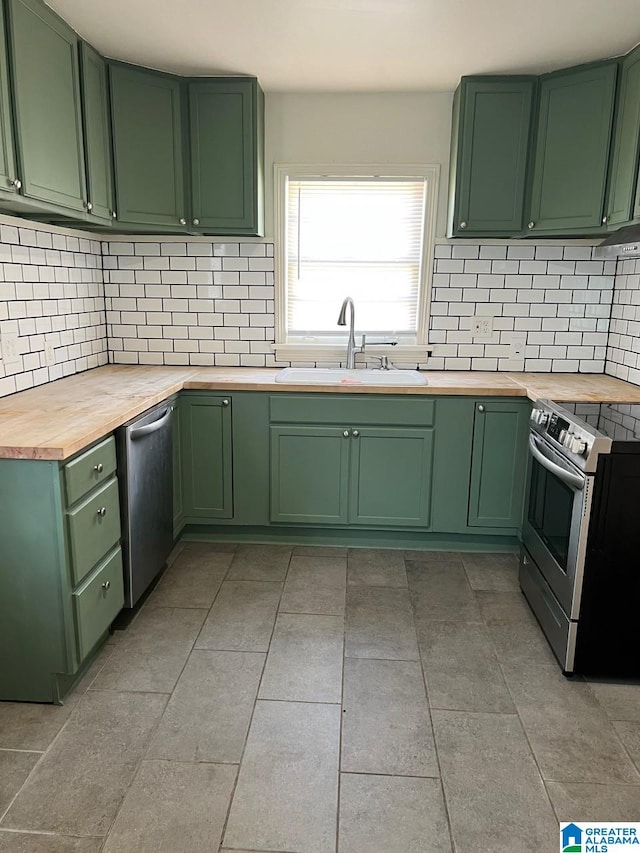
(312, 352)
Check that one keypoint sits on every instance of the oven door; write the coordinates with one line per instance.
(557, 521)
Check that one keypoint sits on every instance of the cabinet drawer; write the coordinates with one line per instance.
(98, 601)
(89, 470)
(352, 411)
(94, 528)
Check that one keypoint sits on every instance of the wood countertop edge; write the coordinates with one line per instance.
(70, 439)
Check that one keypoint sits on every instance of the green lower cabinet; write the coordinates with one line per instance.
(309, 474)
(498, 464)
(391, 470)
(206, 449)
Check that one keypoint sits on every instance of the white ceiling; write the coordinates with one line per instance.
(356, 45)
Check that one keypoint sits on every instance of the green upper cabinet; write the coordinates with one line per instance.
(146, 111)
(48, 120)
(489, 154)
(572, 149)
(498, 463)
(227, 155)
(97, 134)
(622, 202)
(206, 456)
(9, 183)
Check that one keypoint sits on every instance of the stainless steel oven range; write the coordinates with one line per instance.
(579, 567)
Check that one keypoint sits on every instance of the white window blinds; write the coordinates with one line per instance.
(358, 237)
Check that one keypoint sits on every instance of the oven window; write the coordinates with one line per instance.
(550, 511)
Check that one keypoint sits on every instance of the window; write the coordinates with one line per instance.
(365, 233)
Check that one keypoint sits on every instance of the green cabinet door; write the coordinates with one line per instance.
(97, 134)
(572, 149)
(46, 80)
(206, 451)
(226, 119)
(309, 474)
(146, 112)
(391, 471)
(8, 174)
(623, 174)
(489, 155)
(498, 463)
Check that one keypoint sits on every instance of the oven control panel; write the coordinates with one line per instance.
(571, 436)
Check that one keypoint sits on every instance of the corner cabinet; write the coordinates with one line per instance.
(226, 118)
(206, 456)
(623, 199)
(9, 184)
(147, 122)
(572, 149)
(492, 119)
(48, 120)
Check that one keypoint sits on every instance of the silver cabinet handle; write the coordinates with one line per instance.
(102, 511)
(114, 215)
(16, 184)
(345, 433)
(481, 408)
(196, 222)
(182, 220)
(226, 402)
(355, 433)
(463, 224)
(106, 585)
(531, 225)
(154, 426)
(99, 468)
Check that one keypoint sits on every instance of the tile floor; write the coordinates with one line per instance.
(313, 700)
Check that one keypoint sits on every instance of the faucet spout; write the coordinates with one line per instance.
(342, 321)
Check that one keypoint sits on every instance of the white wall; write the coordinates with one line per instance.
(392, 128)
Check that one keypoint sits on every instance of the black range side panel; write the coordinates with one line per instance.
(608, 641)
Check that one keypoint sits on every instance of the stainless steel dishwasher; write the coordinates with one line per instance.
(145, 473)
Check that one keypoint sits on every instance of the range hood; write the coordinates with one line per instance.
(623, 243)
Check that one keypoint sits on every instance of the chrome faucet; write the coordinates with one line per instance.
(352, 349)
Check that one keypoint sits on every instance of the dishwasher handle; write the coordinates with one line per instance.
(140, 432)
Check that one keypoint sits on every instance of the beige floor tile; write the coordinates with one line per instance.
(386, 728)
(173, 806)
(594, 803)
(504, 607)
(78, 785)
(433, 556)
(440, 592)
(376, 567)
(242, 617)
(14, 769)
(191, 583)
(304, 663)
(620, 701)
(260, 563)
(498, 572)
(208, 715)
(24, 842)
(629, 734)
(287, 792)
(315, 584)
(521, 643)
(319, 551)
(379, 624)
(380, 814)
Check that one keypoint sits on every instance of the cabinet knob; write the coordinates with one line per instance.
(345, 433)
(226, 402)
(114, 215)
(102, 511)
(89, 206)
(463, 224)
(182, 220)
(531, 225)
(196, 222)
(106, 585)
(605, 219)
(355, 433)
(16, 183)
(481, 408)
(99, 468)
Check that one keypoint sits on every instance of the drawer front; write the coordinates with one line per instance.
(89, 470)
(98, 601)
(352, 411)
(94, 528)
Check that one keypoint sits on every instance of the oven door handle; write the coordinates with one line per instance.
(575, 481)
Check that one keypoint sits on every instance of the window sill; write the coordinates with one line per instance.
(400, 354)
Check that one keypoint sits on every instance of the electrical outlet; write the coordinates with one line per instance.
(518, 343)
(482, 327)
(10, 348)
(49, 353)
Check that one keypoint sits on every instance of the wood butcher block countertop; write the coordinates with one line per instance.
(57, 420)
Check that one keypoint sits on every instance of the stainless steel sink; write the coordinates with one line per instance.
(340, 376)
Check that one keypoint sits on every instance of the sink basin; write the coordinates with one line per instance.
(340, 376)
